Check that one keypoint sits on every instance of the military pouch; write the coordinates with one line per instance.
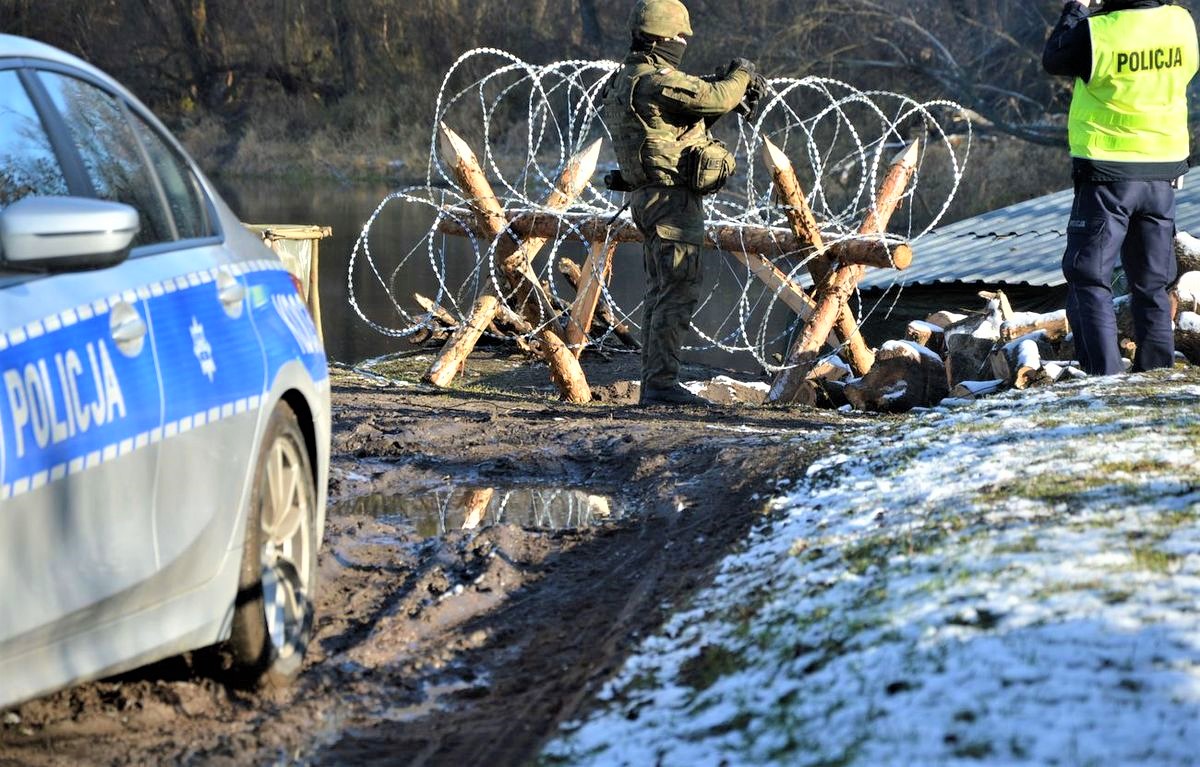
(707, 167)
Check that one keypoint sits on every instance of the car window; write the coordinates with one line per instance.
(110, 152)
(28, 165)
(180, 186)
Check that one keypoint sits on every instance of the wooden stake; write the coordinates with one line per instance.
(449, 363)
(834, 291)
(596, 273)
(492, 222)
(804, 224)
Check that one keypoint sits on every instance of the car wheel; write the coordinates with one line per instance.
(273, 617)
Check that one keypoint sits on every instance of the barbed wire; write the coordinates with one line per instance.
(528, 120)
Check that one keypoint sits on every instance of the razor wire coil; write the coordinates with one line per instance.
(836, 134)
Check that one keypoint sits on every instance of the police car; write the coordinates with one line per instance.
(164, 400)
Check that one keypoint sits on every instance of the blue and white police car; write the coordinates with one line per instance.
(164, 400)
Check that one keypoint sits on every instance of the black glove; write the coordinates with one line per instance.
(617, 183)
(757, 89)
(745, 65)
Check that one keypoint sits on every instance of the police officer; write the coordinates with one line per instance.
(1132, 60)
(660, 119)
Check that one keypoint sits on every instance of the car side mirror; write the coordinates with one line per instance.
(66, 234)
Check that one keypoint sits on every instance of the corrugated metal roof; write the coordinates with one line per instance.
(1020, 244)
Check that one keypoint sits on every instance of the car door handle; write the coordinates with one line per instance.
(233, 293)
(128, 329)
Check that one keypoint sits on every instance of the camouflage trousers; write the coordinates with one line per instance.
(672, 293)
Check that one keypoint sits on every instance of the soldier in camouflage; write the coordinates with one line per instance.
(660, 119)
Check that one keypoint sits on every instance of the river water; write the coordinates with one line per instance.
(723, 315)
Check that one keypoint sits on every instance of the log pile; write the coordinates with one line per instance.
(996, 349)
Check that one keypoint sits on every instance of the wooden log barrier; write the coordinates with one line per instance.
(834, 288)
(492, 223)
(833, 293)
(857, 353)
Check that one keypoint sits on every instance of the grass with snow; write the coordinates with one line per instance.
(1012, 582)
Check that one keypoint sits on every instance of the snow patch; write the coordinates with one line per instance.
(1014, 581)
(911, 349)
(923, 325)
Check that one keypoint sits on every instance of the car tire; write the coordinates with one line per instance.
(273, 614)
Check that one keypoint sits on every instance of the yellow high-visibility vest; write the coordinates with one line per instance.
(1134, 107)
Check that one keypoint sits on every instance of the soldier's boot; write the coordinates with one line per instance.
(675, 395)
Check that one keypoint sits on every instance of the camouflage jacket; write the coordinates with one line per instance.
(655, 112)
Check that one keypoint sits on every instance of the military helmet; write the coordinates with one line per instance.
(661, 18)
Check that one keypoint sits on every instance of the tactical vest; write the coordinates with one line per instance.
(649, 149)
(1134, 107)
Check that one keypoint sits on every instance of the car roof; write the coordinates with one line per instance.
(32, 51)
(12, 47)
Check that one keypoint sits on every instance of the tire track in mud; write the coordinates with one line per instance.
(473, 646)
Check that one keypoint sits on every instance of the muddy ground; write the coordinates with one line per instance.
(439, 645)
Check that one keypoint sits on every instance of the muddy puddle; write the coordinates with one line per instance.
(436, 513)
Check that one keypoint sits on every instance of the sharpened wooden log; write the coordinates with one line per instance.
(789, 385)
(817, 329)
(492, 222)
(833, 289)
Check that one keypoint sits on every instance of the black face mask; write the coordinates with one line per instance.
(670, 50)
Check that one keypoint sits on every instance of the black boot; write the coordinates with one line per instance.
(675, 395)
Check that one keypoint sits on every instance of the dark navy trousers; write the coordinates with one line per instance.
(1135, 221)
